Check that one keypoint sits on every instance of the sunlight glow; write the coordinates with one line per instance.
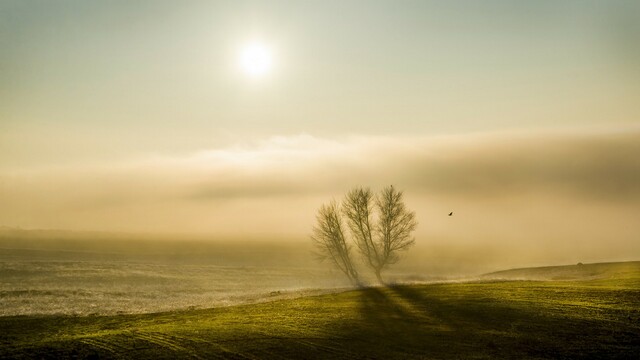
(256, 59)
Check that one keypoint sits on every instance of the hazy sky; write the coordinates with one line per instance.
(522, 117)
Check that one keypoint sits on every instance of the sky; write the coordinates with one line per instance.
(136, 116)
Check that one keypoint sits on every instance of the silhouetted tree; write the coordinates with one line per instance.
(379, 242)
(358, 209)
(395, 226)
(381, 227)
(330, 242)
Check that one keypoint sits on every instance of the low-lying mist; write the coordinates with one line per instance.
(84, 273)
(429, 259)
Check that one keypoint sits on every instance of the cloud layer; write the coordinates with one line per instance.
(273, 187)
(602, 167)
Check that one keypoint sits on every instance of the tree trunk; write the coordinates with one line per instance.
(355, 281)
(377, 271)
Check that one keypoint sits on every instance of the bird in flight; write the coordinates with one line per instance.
(451, 213)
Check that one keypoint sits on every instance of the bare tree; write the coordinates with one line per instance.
(329, 239)
(358, 209)
(379, 244)
(395, 225)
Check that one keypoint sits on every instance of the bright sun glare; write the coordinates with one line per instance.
(256, 59)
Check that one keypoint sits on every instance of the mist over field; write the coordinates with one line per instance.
(101, 273)
(518, 198)
(61, 272)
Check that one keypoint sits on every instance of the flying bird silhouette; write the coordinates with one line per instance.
(451, 213)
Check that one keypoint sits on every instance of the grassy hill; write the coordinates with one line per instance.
(617, 270)
(594, 318)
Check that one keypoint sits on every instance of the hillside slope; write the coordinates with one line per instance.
(614, 270)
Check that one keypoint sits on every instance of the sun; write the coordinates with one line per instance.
(256, 59)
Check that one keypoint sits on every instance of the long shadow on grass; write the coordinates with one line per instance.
(404, 320)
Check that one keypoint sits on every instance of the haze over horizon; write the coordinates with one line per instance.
(138, 116)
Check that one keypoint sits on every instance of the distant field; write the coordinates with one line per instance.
(594, 318)
(46, 286)
(45, 282)
(110, 275)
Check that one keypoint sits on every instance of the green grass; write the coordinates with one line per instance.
(596, 318)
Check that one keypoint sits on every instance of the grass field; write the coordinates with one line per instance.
(594, 318)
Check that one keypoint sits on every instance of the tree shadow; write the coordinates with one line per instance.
(415, 321)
